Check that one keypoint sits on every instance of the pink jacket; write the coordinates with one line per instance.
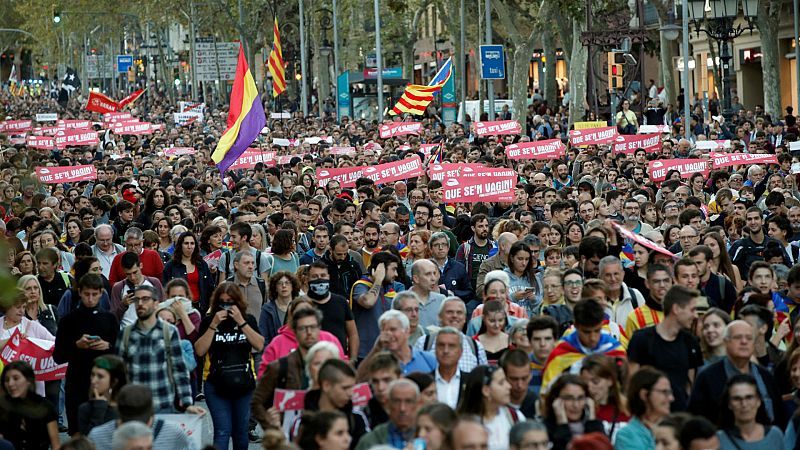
(286, 342)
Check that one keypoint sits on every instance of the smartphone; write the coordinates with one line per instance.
(93, 338)
(227, 306)
(420, 444)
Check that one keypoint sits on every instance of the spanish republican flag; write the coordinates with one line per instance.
(276, 63)
(245, 118)
(569, 351)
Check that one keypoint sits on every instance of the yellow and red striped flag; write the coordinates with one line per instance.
(417, 97)
(276, 63)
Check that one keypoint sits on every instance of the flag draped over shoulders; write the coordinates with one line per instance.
(569, 351)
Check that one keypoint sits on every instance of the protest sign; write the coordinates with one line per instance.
(638, 238)
(471, 189)
(179, 151)
(592, 136)
(66, 174)
(36, 352)
(45, 142)
(547, 149)
(76, 138)
(497, 127)
(628, 143)
(659, 168)
(394, 129)
(346, 176)
(253, 156)
(394, 171)
(720, 160)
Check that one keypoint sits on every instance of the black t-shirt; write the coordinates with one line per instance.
(229, 346)
(23, 422)
(335, 313)
(674, 358)
(52, 291)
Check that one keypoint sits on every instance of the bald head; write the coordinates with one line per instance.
(739, 339)
(505, 241)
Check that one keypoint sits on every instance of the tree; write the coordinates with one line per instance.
(768, 22)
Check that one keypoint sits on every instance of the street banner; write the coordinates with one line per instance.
(734, 159)
(74, 124)
(638, 238)
(212, 259)
(44, 142)
(649, 129)
(346, 176)
(592, 136)
(10, 126)
(179, 151)
(497, 127)
(547, 149)
(76, 138)
(130, 99)
(713, 145)
(66, 174)
(343, 150)
(592, 124)
(100, 103)
(132, 128)
(253, 156)
(46, 117)
(479, 189)
(394, 129)
(629, 143)
(116, 116)
(394, 171)
(658, 169)
(36, 352)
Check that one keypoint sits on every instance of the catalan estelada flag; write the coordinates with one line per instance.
(276, 63)
(245, 118)
(569, 351)
(417, 97)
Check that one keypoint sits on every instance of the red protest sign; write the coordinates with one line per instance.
(629, 143)
(179, 151)
(449, 170)
(74, 124)
(45, 142)
(484, 172)
(592, 136)
(251, 157)
(734, 159)
(132, 128)
(361, 394)
(658, 169)
(289, 400)
(36, 352)
(212, 259)
(394, 171)
(10, 126)
(76, 138)
(18, 139)
(497, 127)
(346, 176)
(100, 103)
(638, 238)
(66, 174)
(116, 116)
(547, 149)
(713, 145)
(471, 189)
(282, 160)
(389, 130)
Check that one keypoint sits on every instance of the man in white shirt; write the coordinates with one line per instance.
(448, 376)
(105, 250)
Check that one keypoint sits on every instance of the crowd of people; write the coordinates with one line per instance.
(598, 310)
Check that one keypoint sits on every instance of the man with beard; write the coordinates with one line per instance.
(638, 172)
(478, 249)
(371, 296)
(794, 219)
(372, 236)
(751, 248)
(719, 290)
(343, 269)
(562, 178)
(670, 211)
(632, 213)
(151, 348)
(338, 316)
(422, 215)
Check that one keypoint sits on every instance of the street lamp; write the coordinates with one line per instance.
(670, 29)
(716, 18)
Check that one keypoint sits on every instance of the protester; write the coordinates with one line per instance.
(27, 420)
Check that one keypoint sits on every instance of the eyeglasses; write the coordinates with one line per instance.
(575, 283)
(307, 328)
(142, 299)
(744, 399)
(284, 282)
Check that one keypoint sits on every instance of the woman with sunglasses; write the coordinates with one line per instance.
(486, 395)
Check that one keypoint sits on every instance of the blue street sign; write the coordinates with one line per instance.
(124, 62)
(493, 62)
(343, 95)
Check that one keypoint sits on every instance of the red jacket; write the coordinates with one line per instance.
(149, 261)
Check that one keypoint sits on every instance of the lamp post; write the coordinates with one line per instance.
(716, 18)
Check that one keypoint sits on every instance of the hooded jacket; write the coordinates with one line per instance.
(286, 342)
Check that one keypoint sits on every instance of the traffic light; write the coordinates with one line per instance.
(57, 17)
(616, 73)
(298, 73)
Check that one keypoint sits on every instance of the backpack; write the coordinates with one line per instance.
(65, 277)
(229, 263)
(126, 337)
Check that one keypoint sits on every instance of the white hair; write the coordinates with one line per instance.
(316, 348)
(127, 432)
(394, 314)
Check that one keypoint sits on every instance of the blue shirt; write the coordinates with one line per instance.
(421, 361)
